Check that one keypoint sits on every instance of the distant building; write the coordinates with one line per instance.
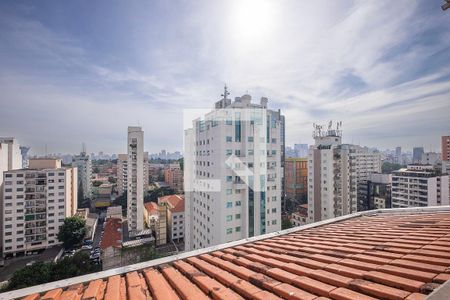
(84, 166)
(296, 179)
(419, 185)
(35, 202)
(155, 171)
(300, 216)
(176, 221)
(173, 176)
(114, 212)
(398, 159)
(417, 155)
(24, 152)
(122, 173)
(301, 150)
(431, 158)
(135, 179)
(445, 148)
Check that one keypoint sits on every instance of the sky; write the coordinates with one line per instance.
(82, 71)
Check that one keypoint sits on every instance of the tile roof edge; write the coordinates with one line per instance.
(151, 263)
(441, 293)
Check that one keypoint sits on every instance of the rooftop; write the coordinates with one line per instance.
(176, 202)
(113, 233)
(151, 207)
(387, 254)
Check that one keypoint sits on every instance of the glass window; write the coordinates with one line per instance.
(238, 229)
(229, 218)
(238, 216)
(229, 139)
(229, 204)
(229, 230)
(238, 203)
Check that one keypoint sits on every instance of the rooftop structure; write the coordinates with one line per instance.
(387, 254)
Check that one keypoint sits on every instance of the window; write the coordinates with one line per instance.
(237, 216)
(229, 230)
(229, 139)
(229, 152)
(250, 139)
(274, 222)
(238, 203)
(229, 204)
(229, 191)
(229, 178)
(229, 218)
(238, 229)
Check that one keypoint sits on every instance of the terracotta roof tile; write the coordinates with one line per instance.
(388, 256)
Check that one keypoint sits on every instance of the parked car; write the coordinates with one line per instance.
(86, 247)
(29, 264)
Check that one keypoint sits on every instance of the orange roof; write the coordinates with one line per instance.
(367, 256)
(151, 207)
(113, 233)
(176, 202)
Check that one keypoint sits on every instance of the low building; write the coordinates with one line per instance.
(114, 212)
(91, 220)
(175, 221)
(300, 217)
(111, 244)
(151, 214)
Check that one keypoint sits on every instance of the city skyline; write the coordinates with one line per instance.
(380, 67)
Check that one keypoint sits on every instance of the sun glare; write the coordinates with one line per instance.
(252, 20)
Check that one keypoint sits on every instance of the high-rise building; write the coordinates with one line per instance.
(83, 164)
(233, 173)
(445, 148)
(398, 156)
(417, 155)
(296, 179)
(419, 185)
(430, 158)
(135, 180)
(337, 174)
(122, 172)
(35, 202)
(378, 191)
(24, 152)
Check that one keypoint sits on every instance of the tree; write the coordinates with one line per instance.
(72, 231)
(286, 224)
(388, 167)
(97, 183)
(156, 193)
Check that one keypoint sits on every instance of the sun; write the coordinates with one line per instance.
(252, 20)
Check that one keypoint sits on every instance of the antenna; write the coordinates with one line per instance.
(225, 92)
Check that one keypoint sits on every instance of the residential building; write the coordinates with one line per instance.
(408, 253)
(173, 176)
(296, 179)
(419, 185)
(176, 220)
(114, 212)
(417, 155)
(84, 166)
(233, 173)
(135, 180)
(337, 174)
(156, 171)
(300, 216)
(24, 153)
(445, 148)
(151, 214)
(122, 172)
(431, 158)
(378, 191)
(35, 202)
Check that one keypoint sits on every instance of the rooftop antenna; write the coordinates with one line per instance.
(225, 92)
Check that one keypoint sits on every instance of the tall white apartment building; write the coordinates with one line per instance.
(83, 164)
(122, 172)
(135, 180)
(233, 173)
(35, 202)
(335, 171)
(10, 155)
(419, 185)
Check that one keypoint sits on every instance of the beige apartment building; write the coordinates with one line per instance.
(34, 204)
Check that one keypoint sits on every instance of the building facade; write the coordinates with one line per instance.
(83, 164)
(378, 191)
(337, 174)
(122, 172)
(173, 176)
(233, 173)
(445, 148)
(296, 179)
(35, 203)
(417, 155)
(176, 220)
(135, 180)
(419, 185)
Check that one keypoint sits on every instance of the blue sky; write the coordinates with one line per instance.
(82, 71)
